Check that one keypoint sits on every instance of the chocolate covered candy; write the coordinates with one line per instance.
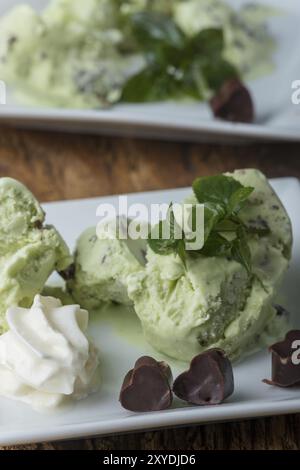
(209, 380)
(233, 102)
(147, 387)
(286, 361)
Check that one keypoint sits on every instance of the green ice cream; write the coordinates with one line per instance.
(102, 265)
(214, 302)
(81, 57)
(67, 56)
(29, 250)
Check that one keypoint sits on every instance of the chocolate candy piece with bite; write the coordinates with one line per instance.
(233, 102)
(209, 380)
(286, 361)
(147, 387)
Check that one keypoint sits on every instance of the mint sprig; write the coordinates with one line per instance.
(225, 233)
(176, 65)
(223, 191)
(229, 196)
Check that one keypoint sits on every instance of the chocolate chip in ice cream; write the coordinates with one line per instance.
(68, 273)
(281, 311)
(209, 380)
(286, 361)
(147, 387)
(233, 102)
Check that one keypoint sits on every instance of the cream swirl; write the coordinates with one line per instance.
(46, 356)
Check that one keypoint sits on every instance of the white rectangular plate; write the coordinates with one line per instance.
(101, 413)
(276, 116)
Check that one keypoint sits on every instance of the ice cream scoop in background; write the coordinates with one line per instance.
(91, 57)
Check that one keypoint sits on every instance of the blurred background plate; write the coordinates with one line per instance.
(277, 117)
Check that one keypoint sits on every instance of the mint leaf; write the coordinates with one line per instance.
(227, 225)
(215, 189)
(173, 243)
(180, 251)
(240, 250)
(217, 72)
(238, 199)
(223, 197)
(208, 43)
(161, 246)
(212, 215)
(221, 190)
(138, 89)
(151, 84)
(216, 245)
(175, 230)
(158, 82)
(154, 30)
(178, 66)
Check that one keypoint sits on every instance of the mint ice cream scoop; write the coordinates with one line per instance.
(29, 250)
(102, 264)
(66, 55)
(214, 301)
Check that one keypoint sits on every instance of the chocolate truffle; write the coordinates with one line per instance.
(147, 387)
(209, 380)
(233, 102)
(286, 361)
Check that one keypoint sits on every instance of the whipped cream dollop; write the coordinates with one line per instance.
(46, 357)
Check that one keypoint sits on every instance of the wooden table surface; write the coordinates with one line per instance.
(61, 166)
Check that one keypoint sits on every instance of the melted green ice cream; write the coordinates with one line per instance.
(29, 250)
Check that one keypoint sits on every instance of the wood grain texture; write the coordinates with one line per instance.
(61, 166)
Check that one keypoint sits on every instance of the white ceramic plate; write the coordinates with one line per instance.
(276, 116)
(101, 413)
